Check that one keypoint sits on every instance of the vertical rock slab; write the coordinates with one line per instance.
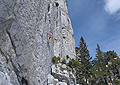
(64, 42)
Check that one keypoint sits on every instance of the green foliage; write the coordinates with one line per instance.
(55, 59)
(99, 63)
(58, 58)
(83, 52)
(63, 61)
(84, 65)
(77, 66)
(116, 82)
(101, 83)
(73, 63)
(118, 67)
(106, 64)
(102, 59)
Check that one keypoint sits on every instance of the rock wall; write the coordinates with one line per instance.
(25, 53)
(64, 42)
(63, 74)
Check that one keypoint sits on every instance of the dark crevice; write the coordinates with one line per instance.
(61, 77)
(48, 7)
(57, 4)
(64, 37)
(11, 40)
(56, 24)
(7, 25)
(45, 18)
(49, 21)
(10, 60)
(5, 56)
(24, 81)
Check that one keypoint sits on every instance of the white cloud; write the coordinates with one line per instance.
(112, 6)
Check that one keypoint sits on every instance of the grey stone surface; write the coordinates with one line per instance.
(50, 79)
(64, 66)
(64, 75)
(62, 83)
(5, 79)
(64, 42)
(25, 53)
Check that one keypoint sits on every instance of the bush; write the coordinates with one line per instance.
(101, 83)
(58, 58)
(73, 63)
(63, 61)
(116, 82)
(55, 59)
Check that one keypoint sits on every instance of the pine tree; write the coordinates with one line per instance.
(99, 63)
(99, 54)
(113, 62)
(84, 52)
(84, 58)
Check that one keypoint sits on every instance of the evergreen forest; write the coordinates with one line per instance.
(104, 69)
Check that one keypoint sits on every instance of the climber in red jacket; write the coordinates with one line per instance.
(49, 36)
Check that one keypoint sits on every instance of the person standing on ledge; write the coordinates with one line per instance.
(49, 36)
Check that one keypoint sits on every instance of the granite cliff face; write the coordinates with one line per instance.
(25, 53)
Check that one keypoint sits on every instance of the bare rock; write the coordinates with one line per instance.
(50, 79)
(63, 66)
(62, 83)
(25, 53)
(63, 74)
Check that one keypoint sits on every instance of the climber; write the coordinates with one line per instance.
(49, 36)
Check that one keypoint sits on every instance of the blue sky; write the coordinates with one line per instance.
(98, 21)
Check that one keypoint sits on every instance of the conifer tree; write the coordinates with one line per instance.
(84, 58)
(112, 61)
(84, 52)
(98, 61)
(100, 66)
(104, 67)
